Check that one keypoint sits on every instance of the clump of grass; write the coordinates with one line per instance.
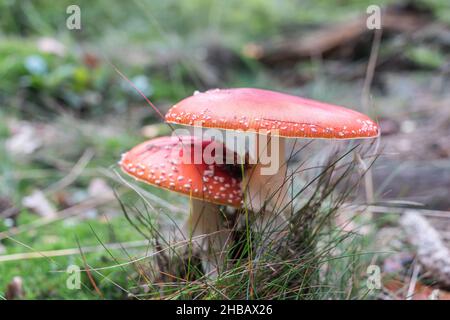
(308, 256)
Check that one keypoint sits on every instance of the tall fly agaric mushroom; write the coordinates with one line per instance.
(276, 115)
(162, 162)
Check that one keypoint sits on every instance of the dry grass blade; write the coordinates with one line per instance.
(72, 251)
(76, 171)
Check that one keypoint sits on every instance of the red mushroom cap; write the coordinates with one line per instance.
(257, 109)
(160, 162)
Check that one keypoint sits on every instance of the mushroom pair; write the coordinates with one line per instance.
(169, 163)
(273, 117)
(278, 116)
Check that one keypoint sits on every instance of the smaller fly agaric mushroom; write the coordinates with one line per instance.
(274, 114)
(168, 163)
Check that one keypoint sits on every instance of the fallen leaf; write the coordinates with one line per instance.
(397, 262)
(24, 139)
(38, 203)
(91, 60)
(98, 188)
(399, 289)
(51, 45)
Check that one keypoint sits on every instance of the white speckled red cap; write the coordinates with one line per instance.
(160, 162)
(278, 113)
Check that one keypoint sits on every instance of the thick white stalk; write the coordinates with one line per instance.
(206, 227)
(267, 196)
(270, 190)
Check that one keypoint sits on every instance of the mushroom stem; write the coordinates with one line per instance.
(267, 195)
(206, 227)
(267, 191)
